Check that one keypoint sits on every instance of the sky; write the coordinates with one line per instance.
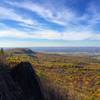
(44, 23)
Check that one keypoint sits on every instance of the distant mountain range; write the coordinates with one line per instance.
(89, 50)
(58, 50)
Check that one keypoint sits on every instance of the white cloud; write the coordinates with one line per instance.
(50, 35)
(12, 33)
(38, 34)
(71, 36)
(8, 13)
(70, 20)
(61, 15)
(51, 13)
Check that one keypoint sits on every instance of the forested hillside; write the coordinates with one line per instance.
(63, 77)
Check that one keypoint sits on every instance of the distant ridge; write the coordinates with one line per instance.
(21, 51)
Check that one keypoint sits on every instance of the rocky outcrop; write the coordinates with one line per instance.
(19, 83)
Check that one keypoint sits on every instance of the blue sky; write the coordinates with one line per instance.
(27, 23)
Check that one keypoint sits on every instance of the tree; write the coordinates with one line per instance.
(2, 56)
(1, 51)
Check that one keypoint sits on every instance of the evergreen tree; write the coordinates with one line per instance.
(2, 56)
(1, 51)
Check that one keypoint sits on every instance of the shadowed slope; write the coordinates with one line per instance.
(20, 83)
(9, 90)
(25, 76)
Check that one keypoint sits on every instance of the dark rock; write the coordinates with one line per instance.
(9, 90)
(20, 83)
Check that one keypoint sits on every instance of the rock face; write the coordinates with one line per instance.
(19, 83)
